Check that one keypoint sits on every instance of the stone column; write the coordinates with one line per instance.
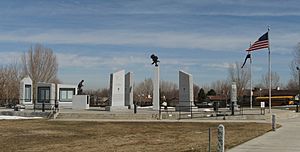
(155, 98)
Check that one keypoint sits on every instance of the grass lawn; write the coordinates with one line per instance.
(43, 135)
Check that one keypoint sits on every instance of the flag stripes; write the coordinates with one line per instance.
(262, 42)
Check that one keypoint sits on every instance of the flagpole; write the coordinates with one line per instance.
(270, 83)
(251, 95)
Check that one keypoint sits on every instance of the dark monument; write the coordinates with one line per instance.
(79, 88)
(154, 59)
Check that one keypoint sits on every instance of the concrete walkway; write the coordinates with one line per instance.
(284, 139)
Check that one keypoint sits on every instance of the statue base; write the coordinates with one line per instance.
(81, 102)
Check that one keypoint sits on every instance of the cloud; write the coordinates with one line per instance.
(218, 65)
(189, 40)
(87, 61)
(77, 60)
(145, 7)
(9, 57)
(112, 37)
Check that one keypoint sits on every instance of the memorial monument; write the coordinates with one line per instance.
(233, 93)
(186, 96)
(129, 90)
(155, 99)
(80, 101)
(233, 97)
(117, 91)
(45, 95)
(26, 91)
(79, 88)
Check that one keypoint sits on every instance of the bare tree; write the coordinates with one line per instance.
(275, 80)
(9, 82)
(144, 88)
(196, 90)
(168, 89)
(240, 76)
(40, 64)
(221, 86)
(292, 84)
(104, 92)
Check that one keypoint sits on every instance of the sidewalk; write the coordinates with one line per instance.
(284, 139)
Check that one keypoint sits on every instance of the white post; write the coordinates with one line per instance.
(221, 138)
(155, 98)
(251, 81)
(270, 79)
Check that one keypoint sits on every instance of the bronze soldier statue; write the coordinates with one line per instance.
(79, 87)
(154, 59)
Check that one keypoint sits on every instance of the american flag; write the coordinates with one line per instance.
(262, 42)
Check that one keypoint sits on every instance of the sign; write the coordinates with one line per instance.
(262, 104)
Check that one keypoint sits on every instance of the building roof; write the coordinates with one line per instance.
(274, 92)
(217, 98)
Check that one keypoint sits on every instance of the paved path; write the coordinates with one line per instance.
(284, 139)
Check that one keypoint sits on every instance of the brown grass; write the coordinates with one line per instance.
(43, 135)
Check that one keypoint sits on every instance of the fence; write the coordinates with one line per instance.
(191, 112)
(35, 105)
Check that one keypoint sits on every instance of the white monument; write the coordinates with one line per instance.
(129, 90)
(45, 94)
(64, 95)
(117, 91)
(26, 91)
(186, 95)
(80, 102)
(234, 93)
(155, 99)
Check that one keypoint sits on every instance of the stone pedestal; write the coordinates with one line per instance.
(155, 98)
(80, 102)
(186, 96)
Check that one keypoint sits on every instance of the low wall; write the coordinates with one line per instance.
(25, 114)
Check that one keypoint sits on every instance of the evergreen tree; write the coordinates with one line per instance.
(201, 95)
(211, 92)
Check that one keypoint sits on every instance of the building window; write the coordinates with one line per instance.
(43, 94)
(66, 94)
(27, 93)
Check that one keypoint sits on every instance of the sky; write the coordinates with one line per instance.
(93, 38)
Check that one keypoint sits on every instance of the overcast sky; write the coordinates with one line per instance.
(93, 38)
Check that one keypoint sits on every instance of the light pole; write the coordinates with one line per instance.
(297, 104)
(260, 92)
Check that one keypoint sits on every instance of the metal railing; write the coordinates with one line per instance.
(35, 105)
(190, 112)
